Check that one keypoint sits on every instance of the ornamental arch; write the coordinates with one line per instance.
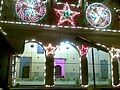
(30, 66)
(102, 65)
(67, 57)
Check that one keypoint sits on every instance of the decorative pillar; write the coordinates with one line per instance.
(115, 67)
(49, 70)
(84, 64)
(10, 71)
(115, 71)
(49, 79)
(4, 69)
(84, 70)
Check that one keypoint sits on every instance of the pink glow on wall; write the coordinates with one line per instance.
(60, 62)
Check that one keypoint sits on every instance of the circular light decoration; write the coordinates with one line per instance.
(98, 15)
(30, 10)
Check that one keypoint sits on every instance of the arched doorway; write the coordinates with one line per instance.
(102, 66)
(30, 66)
(58, 71)
(67, 65)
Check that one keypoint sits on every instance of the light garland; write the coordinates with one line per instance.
(1, 7)
(66, 15)
(78, 4)
(59, 26)
(3, 32)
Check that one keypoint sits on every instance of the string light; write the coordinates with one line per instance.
(3, 32)
(79, 3)
(60, 26)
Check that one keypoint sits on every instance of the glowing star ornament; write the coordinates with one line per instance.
(49, 49)
(113, 52)
(84, 49)
(66, 15)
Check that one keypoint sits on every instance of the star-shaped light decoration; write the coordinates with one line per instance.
(66, 15)
(49, 49)
(84, 49)
(113, 52)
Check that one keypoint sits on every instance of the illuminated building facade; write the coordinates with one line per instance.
(62, 42)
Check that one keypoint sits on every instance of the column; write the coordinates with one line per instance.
(115, 71)
(49, 80)
(4, 69)
(84, 70)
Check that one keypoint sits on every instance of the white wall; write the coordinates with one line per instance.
(72, 63)
(37, 68)
(98, 55)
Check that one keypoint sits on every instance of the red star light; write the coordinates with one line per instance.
(84, 50)
(66, 15)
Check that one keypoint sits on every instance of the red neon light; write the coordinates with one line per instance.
(66, 15)
(84, 49)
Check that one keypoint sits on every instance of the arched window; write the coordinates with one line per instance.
(30, 65)
(68, 57)
(58, 71)
(24, 69)
(25, 72)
